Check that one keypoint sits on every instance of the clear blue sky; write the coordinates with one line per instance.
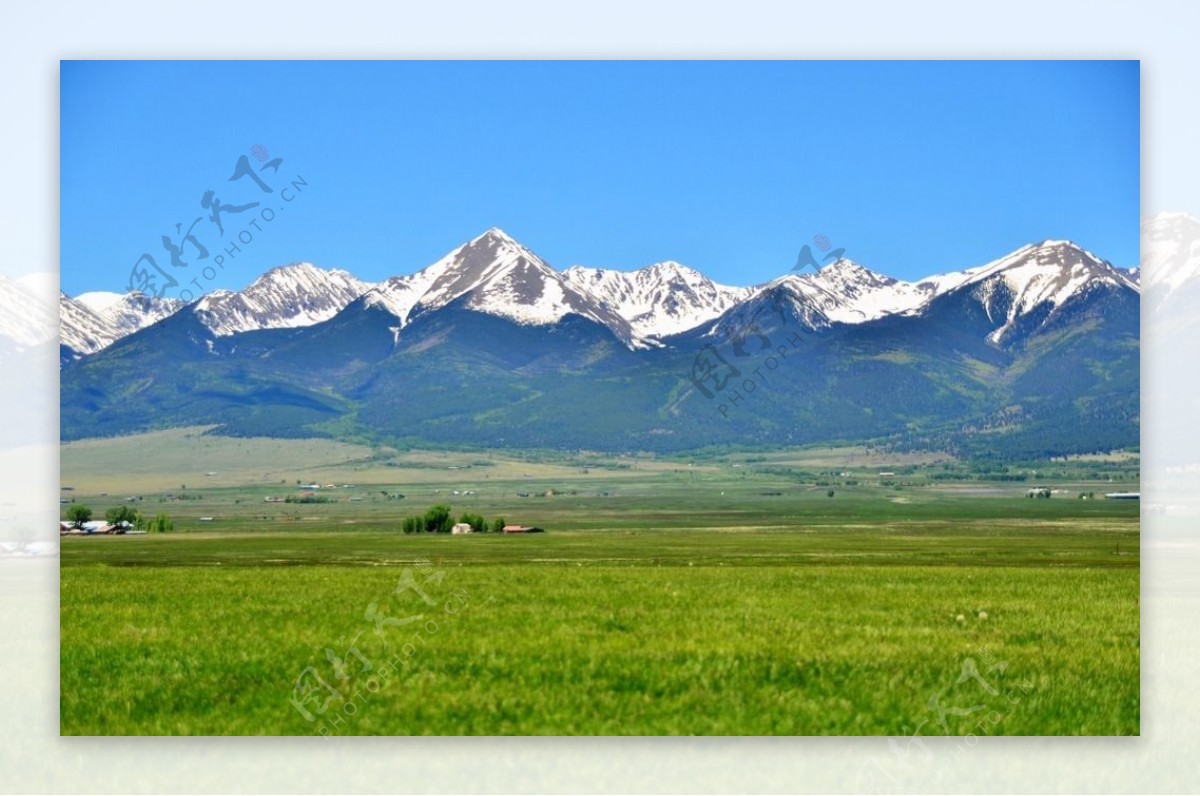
(730, 167)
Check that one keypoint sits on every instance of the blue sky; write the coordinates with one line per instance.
(730, 167)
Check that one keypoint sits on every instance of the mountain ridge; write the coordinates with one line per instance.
(1035, 353)
(642, 307)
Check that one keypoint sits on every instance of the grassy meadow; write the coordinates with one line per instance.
(722, 594)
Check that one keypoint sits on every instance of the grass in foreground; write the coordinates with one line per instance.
(830, 628)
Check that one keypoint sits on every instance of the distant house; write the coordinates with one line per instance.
(1123, 495)
(1038, 492)
(522, 529)
(65, 528)
(460, 528)
(91, 526)
(94, 526)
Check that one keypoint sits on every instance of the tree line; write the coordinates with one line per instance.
(120, 516)
(438, 519)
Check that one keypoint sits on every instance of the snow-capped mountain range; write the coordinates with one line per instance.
(1045, 276)
(1170, 256)
(660, 300)
(91, 322)
(300, 294)
(26, 318)
(496, 275)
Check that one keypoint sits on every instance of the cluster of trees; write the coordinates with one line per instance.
(308, 499)
(438, 519)
(78, 514)
(126, 516)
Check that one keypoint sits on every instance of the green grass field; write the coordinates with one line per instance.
(724, 596)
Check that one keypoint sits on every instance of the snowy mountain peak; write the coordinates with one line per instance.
(302, 275)
(1171, 220)
(289, 270)
(495, 274)
(136, 310)
(93, 321)
(470, 266)
(1065, 250)
(848, 272)
(791, 298)
(671, 268)
(847, 292)
(26, 318)
(290, 296)
(1052, 268)
(1170, 253)
(463, 269)
(1042, 276)
(496, 236)
(659, 300)
(98, 300)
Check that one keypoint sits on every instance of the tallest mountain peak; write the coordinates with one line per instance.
(496, 235)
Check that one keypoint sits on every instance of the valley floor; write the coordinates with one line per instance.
(663, 599)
